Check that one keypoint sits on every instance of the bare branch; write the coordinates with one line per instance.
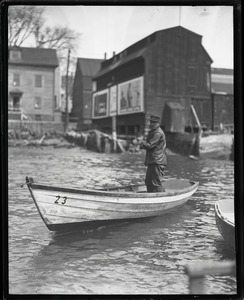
(58, 38)
(26, 21)
(21, 21)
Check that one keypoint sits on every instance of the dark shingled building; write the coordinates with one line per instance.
(222, 98)
(86, 68)
(170, 67)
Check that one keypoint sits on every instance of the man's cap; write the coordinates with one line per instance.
(154, 118)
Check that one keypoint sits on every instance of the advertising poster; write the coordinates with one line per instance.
(130, 96)
(113, 101)
(100, 104)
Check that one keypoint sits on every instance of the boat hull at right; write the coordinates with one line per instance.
(225, 221)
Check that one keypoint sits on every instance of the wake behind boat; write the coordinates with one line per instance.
(62, 207)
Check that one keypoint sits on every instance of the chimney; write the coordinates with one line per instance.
(105, 55)
(113, 53)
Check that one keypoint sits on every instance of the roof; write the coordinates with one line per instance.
(137, 50)
(121, 62)
(181, 28)
(89, 66)
(36, 56)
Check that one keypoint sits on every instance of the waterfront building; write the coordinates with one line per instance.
(222, 98)
(86, 68)
(33, 84)
(165, 74)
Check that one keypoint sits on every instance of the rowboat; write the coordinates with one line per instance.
(63, 207)
(225, 220)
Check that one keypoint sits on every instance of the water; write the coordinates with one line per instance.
(139, 257)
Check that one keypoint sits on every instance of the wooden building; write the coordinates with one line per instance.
(222, 98)
(86, 68)
(169, 66)
(33, 84)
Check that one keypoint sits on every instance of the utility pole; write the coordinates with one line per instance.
(66, 95)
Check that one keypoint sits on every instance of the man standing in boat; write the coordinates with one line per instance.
(156, 159)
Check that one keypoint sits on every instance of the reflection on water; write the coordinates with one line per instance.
(138, 257)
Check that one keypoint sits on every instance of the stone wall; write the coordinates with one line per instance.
(96, 141)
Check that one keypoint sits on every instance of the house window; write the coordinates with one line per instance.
(16, 103)
(16, 80)
(192, 76)
(15, 54)
(38, 103)
(56, 106)
(38, 117)
(38, 80)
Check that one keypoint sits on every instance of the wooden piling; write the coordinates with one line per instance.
(114, 134)
(198, 271)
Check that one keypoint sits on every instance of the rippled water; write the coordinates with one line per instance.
(139, 257)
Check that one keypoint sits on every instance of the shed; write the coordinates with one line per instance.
(173, 118)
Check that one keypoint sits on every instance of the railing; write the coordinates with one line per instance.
(16, 113)
(14, 109)
(198, 271)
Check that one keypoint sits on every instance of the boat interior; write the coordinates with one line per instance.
(168, 185)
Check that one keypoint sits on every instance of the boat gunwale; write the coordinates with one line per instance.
(221, 216)
(104, 192)
(53, 227)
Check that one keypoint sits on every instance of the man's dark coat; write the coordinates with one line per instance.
(155, 147)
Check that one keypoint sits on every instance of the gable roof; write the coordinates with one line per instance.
(178, 29)
(120, 61)
(89, 66)
(139, 48)
(35, 56)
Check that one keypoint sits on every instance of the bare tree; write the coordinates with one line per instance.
(28, 21)
(22, 22)
(59, 38)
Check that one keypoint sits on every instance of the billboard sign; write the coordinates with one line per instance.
(100, 104)
(130, 96)
(113, 101)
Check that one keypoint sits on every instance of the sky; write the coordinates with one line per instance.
(113, 28)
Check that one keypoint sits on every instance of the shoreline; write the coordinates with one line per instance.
(220, 153)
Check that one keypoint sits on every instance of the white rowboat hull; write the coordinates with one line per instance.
(60, 207)
(225, 221)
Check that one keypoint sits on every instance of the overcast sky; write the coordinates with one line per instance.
(114, 28)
